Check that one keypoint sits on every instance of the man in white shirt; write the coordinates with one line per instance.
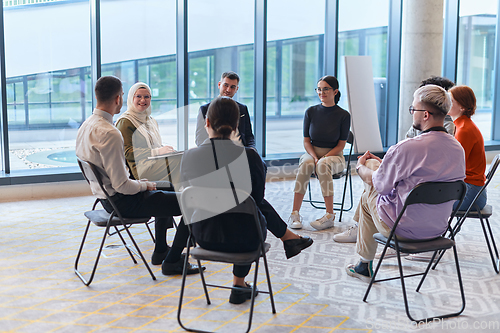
(99, 142)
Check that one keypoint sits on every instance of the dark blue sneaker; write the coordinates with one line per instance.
(362, 271)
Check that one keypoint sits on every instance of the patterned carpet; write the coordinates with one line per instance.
(39, 291)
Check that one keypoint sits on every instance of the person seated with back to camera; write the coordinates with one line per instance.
(230, 233)
(433, 156)
(326, 130)
(99, 142)
(350, 235)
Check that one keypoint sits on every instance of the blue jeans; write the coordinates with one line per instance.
(472, 191)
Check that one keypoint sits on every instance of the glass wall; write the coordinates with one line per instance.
(48, 72)
(476, 52)
(220, 39)
(47, 58)
(139, 45)
(363, 31)
(294, 65)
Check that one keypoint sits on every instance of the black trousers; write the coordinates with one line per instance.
(275, 225)
(160, 204)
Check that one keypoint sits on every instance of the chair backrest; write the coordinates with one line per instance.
(435, 193)
(493, 168)
(91, 174)
(198, 202)
(350, 138)
(489, 176)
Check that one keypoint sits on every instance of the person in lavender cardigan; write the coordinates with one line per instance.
(433, 156)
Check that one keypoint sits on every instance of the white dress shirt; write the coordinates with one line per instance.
(99, 142)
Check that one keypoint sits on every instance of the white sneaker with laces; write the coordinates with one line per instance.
(423, 257)
(348, 236)
(295, 220)
(324, 222)
(390, 253)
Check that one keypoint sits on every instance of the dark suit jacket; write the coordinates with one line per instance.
(244, 126)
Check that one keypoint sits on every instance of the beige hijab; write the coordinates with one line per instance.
(145, 124)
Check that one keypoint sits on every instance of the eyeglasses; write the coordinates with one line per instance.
(412, 110)
(326, 89)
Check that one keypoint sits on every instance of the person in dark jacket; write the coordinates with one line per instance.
(228, 86)
(233, 232)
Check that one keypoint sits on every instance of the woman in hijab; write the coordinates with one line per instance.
(142, 139)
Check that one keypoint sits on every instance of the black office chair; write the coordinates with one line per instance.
(344, 173)
(102, 218)
(199, 200)
(473, 212)
(431, 193)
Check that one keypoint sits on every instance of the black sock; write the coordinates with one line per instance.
(174, 255)
(161, 226)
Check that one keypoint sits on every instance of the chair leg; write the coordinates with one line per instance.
(252, 300)
(375, 273)
(150, 232)
(494, 256)
(462, 293)
(125, 244)
(343, 195)
(139, 252)
(427, 269)
(89, 281)
(203, 282)
(271, 295)
(403, 287)
(183, 285)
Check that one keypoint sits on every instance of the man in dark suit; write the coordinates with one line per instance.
(228, 86)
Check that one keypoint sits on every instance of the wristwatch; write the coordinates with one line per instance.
(358, 166)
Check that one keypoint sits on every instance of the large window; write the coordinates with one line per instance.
(476, 51)
(48, 81)
(220, 39)
(139, 45)
(294, 65)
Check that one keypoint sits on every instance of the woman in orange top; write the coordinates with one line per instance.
(471, 139)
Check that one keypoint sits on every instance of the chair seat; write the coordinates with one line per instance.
(417, 246)
(100, 218)
(486, 212)
(340, 174)
(200, 253)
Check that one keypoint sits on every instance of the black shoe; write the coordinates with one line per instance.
(295, 246)
(158, 257)
(176, 267)
(239, 296)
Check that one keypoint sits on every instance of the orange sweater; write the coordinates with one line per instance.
(470, 138)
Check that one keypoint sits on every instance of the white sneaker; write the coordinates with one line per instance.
(423, 257)
(324, 222)
(390, 253)
(348, 236)
(295, 220)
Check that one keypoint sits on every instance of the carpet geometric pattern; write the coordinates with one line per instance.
(39, 291)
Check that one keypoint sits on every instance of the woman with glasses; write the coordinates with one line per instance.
(326, 129)
(142, 140)
(471, 139)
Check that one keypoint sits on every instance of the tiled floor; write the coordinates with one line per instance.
(39, 291)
